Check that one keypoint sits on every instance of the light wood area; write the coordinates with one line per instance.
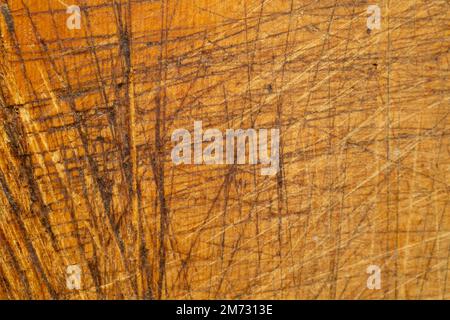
(87, 179)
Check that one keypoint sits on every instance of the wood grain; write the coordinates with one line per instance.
(86, 176)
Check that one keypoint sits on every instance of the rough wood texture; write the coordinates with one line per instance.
(86, 176)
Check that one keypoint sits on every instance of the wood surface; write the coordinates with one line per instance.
(86, 177)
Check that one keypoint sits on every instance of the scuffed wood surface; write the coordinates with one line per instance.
(86, 176)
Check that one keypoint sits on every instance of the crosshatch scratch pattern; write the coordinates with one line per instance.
(86, 176)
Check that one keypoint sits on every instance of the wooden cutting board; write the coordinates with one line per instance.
(92, 205)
